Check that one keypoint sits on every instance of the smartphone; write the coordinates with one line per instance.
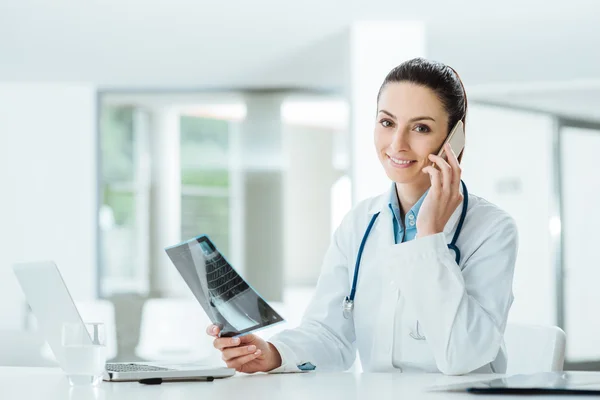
(456, 138)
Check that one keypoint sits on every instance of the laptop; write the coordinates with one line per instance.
(51, 303)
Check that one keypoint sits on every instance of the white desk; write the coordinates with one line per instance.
(50, 384)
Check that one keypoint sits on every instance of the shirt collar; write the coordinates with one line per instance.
(380, 203)
(394, 204)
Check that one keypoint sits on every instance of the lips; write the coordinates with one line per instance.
(400, 162)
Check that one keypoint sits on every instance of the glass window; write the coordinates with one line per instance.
(116, 124)
(205, 195)
(121, 190)
(126, 199)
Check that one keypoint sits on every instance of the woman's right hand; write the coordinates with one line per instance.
(247, 353)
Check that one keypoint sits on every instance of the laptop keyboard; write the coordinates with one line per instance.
(133, 368)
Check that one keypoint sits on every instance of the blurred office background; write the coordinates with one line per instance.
(127, 126)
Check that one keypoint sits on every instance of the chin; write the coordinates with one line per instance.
(401, 178)
(408, 177)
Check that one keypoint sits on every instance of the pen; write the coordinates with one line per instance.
(158, 381)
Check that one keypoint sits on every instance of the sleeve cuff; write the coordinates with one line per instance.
(287, 358)
(415, 253)
(421, 248)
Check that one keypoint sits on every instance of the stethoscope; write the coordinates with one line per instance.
(348, 306)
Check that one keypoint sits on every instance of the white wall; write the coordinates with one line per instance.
(508, 161)
(581, 218)
(371, 58)
(48, 171)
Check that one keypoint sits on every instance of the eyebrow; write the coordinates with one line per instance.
(411, 120)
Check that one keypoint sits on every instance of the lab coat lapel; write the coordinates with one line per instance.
(382, 239)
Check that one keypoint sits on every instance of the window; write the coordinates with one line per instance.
(136, 147)
(205, 194)
(124, 198)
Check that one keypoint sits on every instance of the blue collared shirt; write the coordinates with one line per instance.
(401, 234)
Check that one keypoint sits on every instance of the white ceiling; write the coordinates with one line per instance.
(277, 43)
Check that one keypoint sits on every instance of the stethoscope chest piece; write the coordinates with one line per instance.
(347, 308)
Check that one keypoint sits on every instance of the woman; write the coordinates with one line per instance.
(419, 306)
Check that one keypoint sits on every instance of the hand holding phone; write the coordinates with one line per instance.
(444, 194)
(456, 138)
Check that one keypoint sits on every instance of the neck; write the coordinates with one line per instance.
(410, 193)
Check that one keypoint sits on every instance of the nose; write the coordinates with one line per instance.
(400, 140)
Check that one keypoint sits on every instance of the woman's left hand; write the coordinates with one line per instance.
(444, 195)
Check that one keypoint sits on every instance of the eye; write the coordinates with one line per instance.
(422, 128)
(386, 123)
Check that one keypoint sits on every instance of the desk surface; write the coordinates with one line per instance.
(50, 383)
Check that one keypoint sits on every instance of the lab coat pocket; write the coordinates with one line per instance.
(414, 347)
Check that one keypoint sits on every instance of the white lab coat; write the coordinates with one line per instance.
(461, 309)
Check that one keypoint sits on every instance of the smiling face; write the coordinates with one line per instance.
(411, 124)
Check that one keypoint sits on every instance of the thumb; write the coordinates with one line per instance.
(249, 339)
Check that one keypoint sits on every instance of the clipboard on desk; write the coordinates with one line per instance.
(550, 383)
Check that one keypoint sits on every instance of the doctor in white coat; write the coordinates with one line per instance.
(417, 304)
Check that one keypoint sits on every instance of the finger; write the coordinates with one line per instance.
(447, 176)
(212, 330)
(235, 352)
(434, 176)
(223, 343)
(237, 363)
(446, 170)
(453, 160)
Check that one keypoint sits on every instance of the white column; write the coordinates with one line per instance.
(143, 185)
(237, 220)
(375, 48)
(309, 178)
(165, 201)
(261, 152)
